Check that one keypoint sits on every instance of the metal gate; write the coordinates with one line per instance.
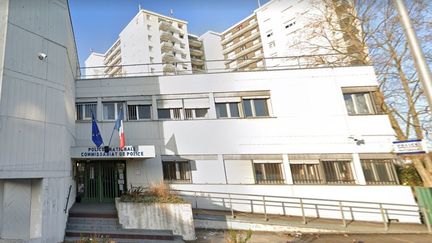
(100, 181)
(424, 198)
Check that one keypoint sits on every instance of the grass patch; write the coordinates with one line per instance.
(156, 193)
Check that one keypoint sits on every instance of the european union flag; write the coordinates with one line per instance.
(96, 136)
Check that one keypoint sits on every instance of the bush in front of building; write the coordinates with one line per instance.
(95, 239)
(408, 175)
(156, 193)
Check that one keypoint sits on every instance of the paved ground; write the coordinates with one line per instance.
(209, 236)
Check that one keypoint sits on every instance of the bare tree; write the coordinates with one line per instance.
(369, 32)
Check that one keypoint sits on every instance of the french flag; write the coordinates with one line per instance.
(119, 127)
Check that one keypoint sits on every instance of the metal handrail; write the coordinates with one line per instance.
(316, 204)
(269, 63)
(67, 199)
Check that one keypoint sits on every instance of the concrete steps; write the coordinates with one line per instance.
(89, 223)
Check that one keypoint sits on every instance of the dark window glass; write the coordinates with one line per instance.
(247, 107)
(144, 111)
(261, 107)
(201, 113)
(164, 114)
(306, 174)
(234, 109)
(221, 110)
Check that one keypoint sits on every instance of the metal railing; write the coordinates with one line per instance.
(218, 66)
(67, 199)
(344, 210)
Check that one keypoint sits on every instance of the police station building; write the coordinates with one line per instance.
(312, 133)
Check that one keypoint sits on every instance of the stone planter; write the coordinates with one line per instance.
(157, 216)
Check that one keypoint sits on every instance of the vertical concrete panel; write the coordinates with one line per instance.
(30, 15)
(1, 207)
(36, 209)
(16, 208)
(4, 5)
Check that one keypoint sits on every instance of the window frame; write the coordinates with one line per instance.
(178, 175)
(371, 100)
(253, 106)
(321, 170)
(193, 113)
(172, 114)
(138, 116)
(263, 166)
(83, 106)
(228, 110)
(117, 106)
(376, 180)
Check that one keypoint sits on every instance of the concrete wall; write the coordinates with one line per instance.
(158, 216)
(213, 51)
(37, 116)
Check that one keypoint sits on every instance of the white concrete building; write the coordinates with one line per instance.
(150, 44)
(38, 68)
(287, 133)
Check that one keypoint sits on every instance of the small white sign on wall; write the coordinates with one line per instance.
(409, 147)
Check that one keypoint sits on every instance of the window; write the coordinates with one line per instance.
(84, 111)
(321, 172)
(169, 113)
(148, 17)
(176, 171)
(243, 48)
(151, 59)
(139, 112)
(268, 173)
(181, 36)
(150, 48)
(149, 37)
(269, 34)
(148, 27)
(255, 107)
(182, 46)
(360, 103)
(111, 110)
(338, 172)
(306, 173)
(227, 110)
(197, 113)
(180, 26)
(288, 25)
(379, 171)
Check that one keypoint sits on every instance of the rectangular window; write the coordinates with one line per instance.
(337, 172)
(306, 173)
(196, 113)
(111, 110)
(379, 171)
(169, 113)
(228, 110)
(255, 107)
(139, 112)
(84, 111)
(268, 173)
(176, 171)
(360, 103)
(149, 37)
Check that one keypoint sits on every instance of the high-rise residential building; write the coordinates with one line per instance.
(151, 44)
(291, 33)
(241, 45)
(196, 53)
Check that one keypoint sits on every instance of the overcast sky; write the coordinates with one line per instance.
(97, 23)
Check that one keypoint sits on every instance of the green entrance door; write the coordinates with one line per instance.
(100, 181)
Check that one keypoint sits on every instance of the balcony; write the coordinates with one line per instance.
(251, 37)
(169, 68)
(195, 43)
(244, 52)
(167, 47)
(166, 26)
(196, 61)
(239, 32)
(196, 52)
(244, 63)
(168, 36)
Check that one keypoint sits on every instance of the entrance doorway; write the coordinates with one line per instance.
(100, 181)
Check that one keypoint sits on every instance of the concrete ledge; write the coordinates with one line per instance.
(157, 216)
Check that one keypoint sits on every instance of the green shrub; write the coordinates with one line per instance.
(237, 237)
(157, 193)
(408, 175)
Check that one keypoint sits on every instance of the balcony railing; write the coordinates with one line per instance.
(195, 43)
(239, 32)
(268, 64)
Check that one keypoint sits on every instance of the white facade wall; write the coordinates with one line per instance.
(96, 65)
(287, 24)
(308, 116)
(213, 51)
(37, 115)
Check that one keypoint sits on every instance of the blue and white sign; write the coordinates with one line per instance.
(409, 147)
(128, 152)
